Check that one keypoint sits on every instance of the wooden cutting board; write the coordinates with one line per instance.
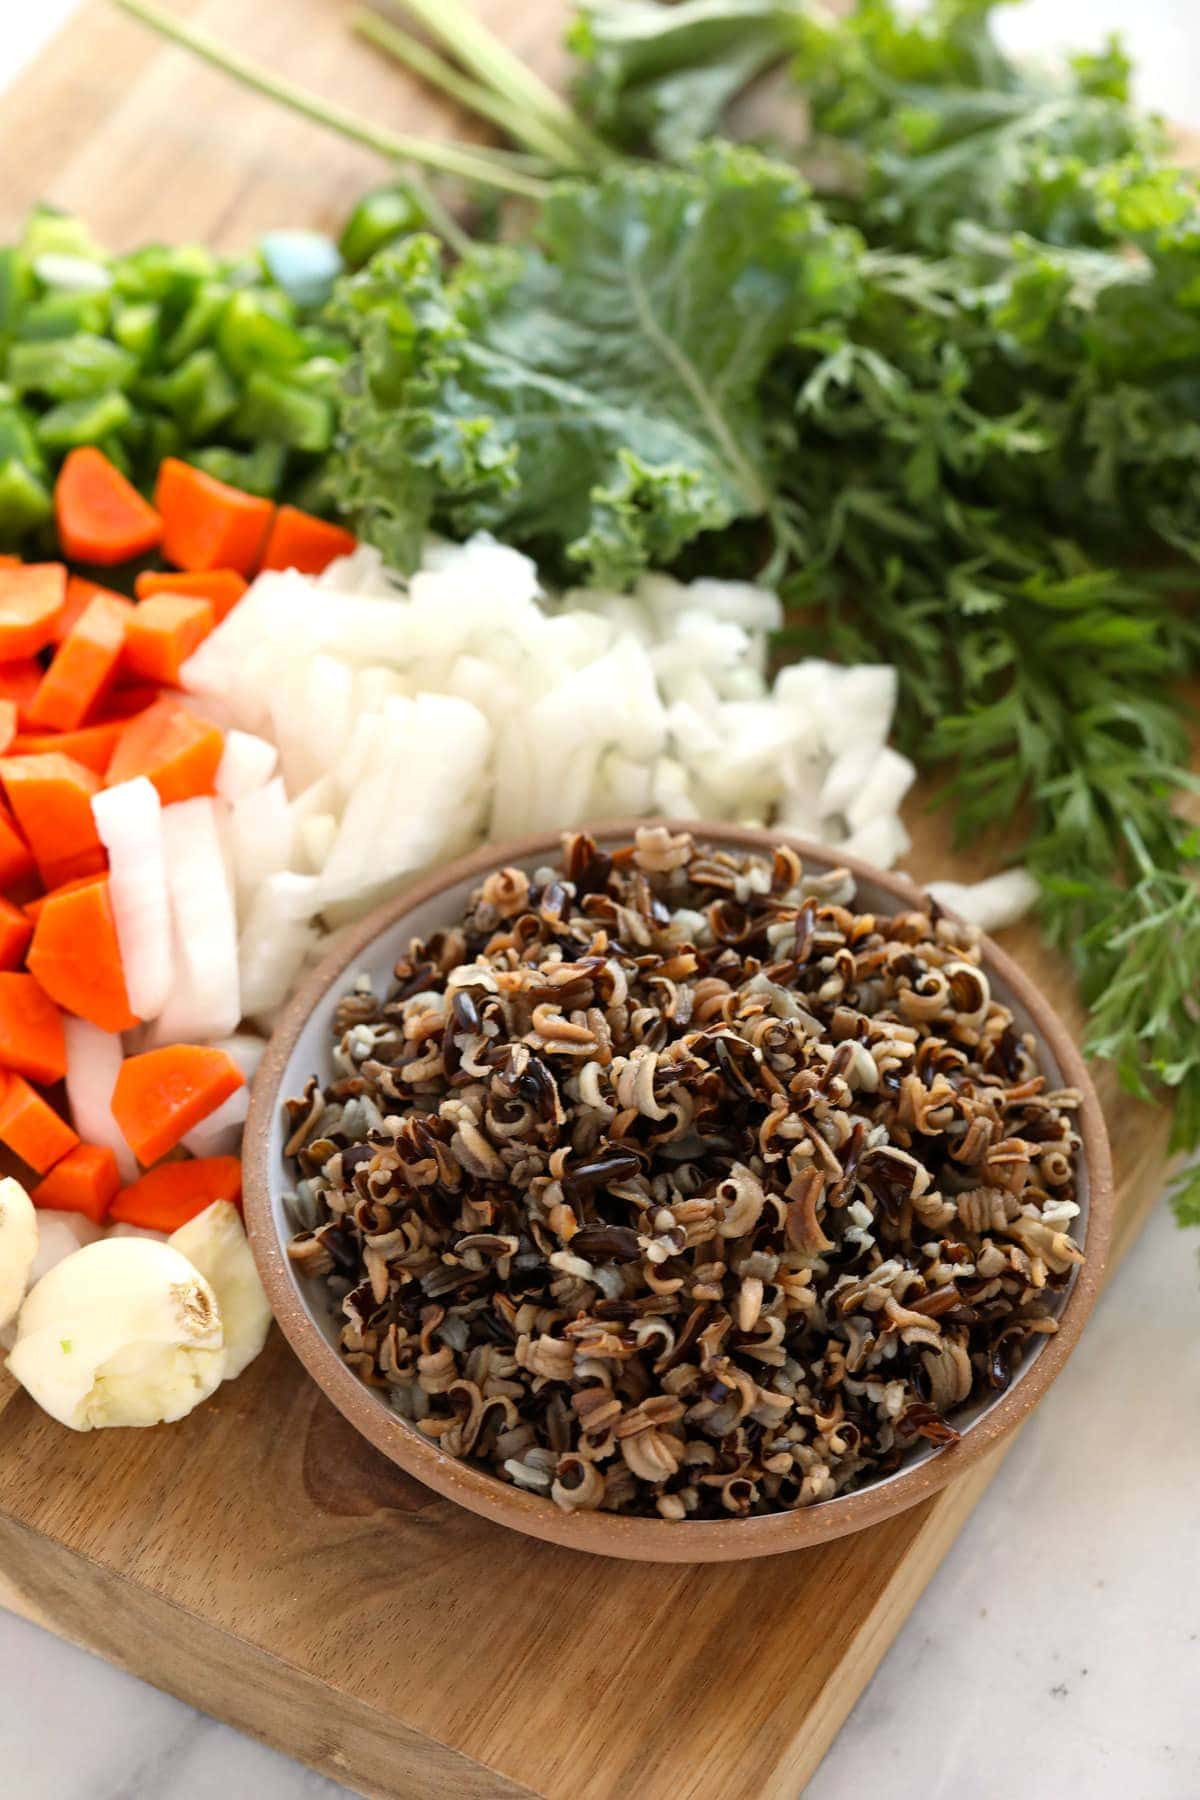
(258, 1559)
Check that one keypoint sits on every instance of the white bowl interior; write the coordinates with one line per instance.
(312, 1055)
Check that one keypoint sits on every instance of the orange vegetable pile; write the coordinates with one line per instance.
(89, 698)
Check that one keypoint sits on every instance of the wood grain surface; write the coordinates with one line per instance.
(259, 1559)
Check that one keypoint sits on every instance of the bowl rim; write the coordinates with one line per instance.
(617, 1534)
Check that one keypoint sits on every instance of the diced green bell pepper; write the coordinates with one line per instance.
(25, 500)
(276, 411)
(378, 219)
(257, 471)
(86, 421)
(67, 368)
(198, 394)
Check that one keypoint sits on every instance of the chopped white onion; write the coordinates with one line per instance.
(129, 821)
(246, 1049)
(204, 1001)
(992, 904)
(247, 762)
(221, 1132)
(260, 830)
(94, 1060)
(413, 719)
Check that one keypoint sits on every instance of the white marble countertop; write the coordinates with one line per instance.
(1055, 1655)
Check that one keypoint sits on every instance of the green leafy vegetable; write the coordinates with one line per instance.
(951, 402)
(598, 393)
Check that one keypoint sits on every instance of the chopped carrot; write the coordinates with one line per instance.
(167, 1197)
(85, 1181)
(79, 593)
(10, 562)
(33, 908)
(177, 750)
(161, 1094)
(206, 523)
(8, 724)
(162, 634)
(16, 858)
(31, 600)
(85, 664)
(51, 797)
(299, 540)
(91, 745)
(19, 682)
(31, 1030)
(16, 929)
(125, 703)
(76, 957)
(222, 588)
(101, 516)
(31, 1128)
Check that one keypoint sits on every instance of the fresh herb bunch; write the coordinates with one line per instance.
(966, 438)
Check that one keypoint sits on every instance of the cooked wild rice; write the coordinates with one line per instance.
(666, 1182)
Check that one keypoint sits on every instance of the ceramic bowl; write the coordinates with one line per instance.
(300, 1048)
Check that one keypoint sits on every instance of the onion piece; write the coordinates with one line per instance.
(220, 1134)
(246, 1049)
(247, 762)
(94, 1059)
(992, 904)
(204, 1001)
(260, 831)
(129, 821)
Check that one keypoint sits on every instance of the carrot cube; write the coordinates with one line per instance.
(299, 540)
(51, 797)
(85, 1181)
(161, 1094)
(165, 1198)
(162, 634)
(206, 523)
(31, 1031)
(222, 588)
(85, 664)
(76, 957)
(16, 929)
(31, 1128)
(177, 750)
(31, 600)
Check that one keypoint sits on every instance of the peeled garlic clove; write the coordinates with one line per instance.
(60, 1234)
(215, 1242)
(123, 1332)
(18, 1245)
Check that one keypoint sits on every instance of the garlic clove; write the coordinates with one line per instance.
(215, 1242)
(122, 1332)
(18, 1245)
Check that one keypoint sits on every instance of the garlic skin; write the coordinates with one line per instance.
(18, 1245)
(215, 1242)
(122, 1332)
